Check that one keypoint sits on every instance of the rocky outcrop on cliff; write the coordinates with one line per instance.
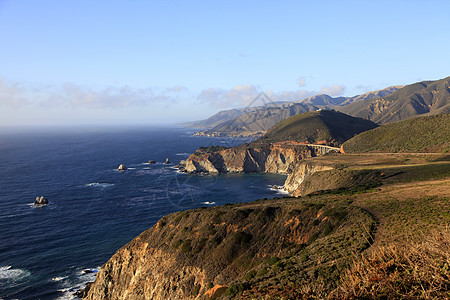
(229, 250)
(278, 158)
(298, 175)
(272, 158)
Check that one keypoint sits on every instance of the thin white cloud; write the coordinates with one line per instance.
(74, 96)
(11, 95)
(290, 95)
(243, 95)
(333, 90)
(239, 96)
(112, 97)
(177, 89)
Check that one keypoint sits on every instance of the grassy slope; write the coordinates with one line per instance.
(332, 126)
(422, 134)
(291, 248)
(427, 97)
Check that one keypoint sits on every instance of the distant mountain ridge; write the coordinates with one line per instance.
(255, 121)
(421, 98)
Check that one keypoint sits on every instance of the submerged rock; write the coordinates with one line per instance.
(40, 200)
(151, 162)
(122, 167)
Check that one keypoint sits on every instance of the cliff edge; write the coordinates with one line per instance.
(222, 251)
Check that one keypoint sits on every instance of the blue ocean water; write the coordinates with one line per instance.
(49, 252)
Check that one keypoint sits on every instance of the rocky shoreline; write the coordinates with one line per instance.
(272, 158)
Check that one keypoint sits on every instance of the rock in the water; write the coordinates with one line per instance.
(167, 161)
(83, 292)
(151, 162)
(89, 271)
(40, 201)
(122, 167)
(275, 187)
(182, 166)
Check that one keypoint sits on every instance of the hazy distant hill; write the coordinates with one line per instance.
(421, 134)
(260, 119)
(426, 97)
(216, 119)
(323, 99)
(327, 126)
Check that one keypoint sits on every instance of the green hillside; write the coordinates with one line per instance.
(325, 125)
(421, 134)
(426, 97)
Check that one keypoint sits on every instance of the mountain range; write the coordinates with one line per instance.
(388, 105)
(426, 97)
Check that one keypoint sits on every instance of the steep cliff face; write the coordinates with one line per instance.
(273, 158)
(299, 174)
(201, 253)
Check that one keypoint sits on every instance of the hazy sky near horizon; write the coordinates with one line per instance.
(148, 62)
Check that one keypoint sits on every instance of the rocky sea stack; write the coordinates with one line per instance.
(122, 167)
(40, 200)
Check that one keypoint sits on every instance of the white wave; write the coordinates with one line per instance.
(279, 189)
(59, 278)
(70, 285)
(208, 203)
(99, 184)
(183, 154)
(6, 273)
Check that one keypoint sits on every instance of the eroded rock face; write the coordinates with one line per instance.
(298, 175)
(193, 254)
(279, 159)
(274, 158)
(142, 272)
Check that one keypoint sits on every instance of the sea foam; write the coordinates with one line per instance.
(99, 185)
(7, 273)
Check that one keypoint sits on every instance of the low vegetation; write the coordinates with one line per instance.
(412, 271)
(422, 134)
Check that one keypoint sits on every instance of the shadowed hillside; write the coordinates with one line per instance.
(326, 126)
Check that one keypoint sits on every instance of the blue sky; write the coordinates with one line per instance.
(150, 62)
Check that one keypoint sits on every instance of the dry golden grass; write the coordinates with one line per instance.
(412, 271)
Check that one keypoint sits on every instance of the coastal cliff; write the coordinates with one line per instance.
(228, 250)
(272, 158)
(276, 158)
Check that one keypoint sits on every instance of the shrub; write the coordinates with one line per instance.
(197, 289)
(233, 290)
(186, 246)
(273, 260)
(242, 238)
(177, 243)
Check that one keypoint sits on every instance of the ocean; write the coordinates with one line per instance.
(50, 252)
